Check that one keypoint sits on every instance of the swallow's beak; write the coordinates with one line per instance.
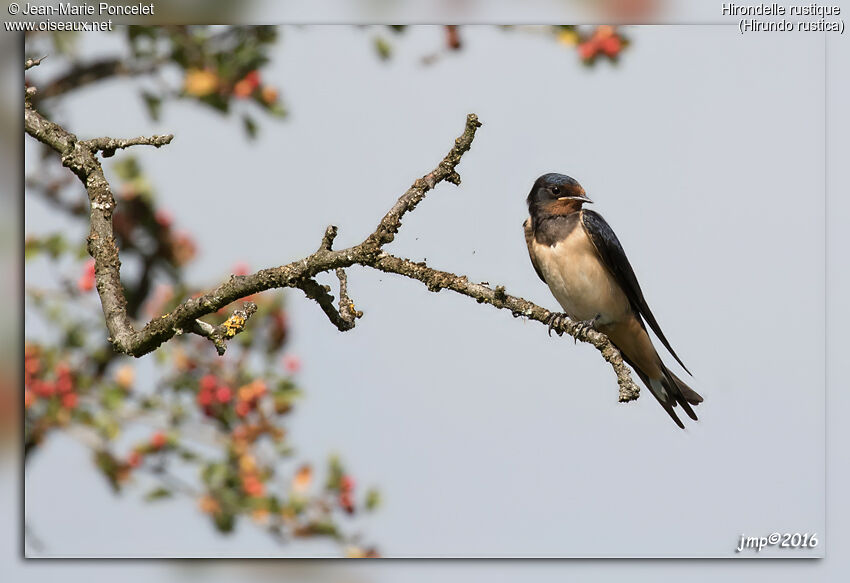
(581, 197)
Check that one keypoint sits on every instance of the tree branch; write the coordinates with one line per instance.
(81, 158)
(89, 73)
(108, 145)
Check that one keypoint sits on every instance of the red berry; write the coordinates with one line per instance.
(223, 394)
(69, 401)
(86, 281)
(204, 398)
(252, 486)
(253, 78)
(346, 483)
(64, 384)
(44, 388)
(208, 382)
(243, 408)
(163, 218)
(611, 46)
(347, 502)
(587, 50)
(240, 268)
(134, 460)
(292, 363)
(158, 440)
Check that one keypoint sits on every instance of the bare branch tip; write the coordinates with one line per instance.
(30, 63)
(328, 238)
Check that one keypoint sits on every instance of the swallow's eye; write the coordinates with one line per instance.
(556, 190)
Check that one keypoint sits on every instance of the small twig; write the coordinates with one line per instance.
(321, 295)
(109, 145)
(30, 63)
(328, 238)
(347, 311)
(218, 335)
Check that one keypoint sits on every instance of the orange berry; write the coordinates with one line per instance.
(259, 387)
(604, 31)
(158, 440)
(125, 377)
(208, 504)
(268, 95)
(303, 478)
(200, 82)
(252, 486)
(587, 50)
(242, 89)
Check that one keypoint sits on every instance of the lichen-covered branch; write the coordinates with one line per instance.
(81, 158)
(108, 145)
(218, 335)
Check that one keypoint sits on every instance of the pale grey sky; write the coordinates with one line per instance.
(703, 149)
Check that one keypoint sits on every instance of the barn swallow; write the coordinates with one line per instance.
(576, 253)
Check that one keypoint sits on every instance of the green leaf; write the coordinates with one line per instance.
(250, 126)
(277, 109)
(55, 244)
(373, 499)
(32, 247)
(383, 48)
(127, 168)
(214, 474)
(158, 494)
(323, 527)
(113, 397)
(335, 473)
(224, 521)
(187, 455)
(153, 103)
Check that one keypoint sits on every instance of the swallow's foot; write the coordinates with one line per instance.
(555, 322)
(585, 325)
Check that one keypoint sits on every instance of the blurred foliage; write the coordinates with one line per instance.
(225, 417)
(213, 428)
(219, 68)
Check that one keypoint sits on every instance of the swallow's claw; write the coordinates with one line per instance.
(555, 322)
(583, 327)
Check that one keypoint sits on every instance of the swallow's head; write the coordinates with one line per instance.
(556, 194)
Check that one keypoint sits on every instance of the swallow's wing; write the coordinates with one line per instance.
(529, 239)
(614, 257)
